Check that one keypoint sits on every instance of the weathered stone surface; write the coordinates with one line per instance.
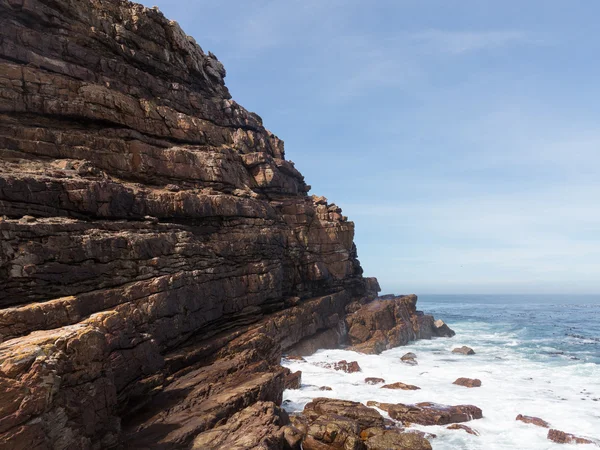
(341, 424)
(409, 358)
(428, 413)
(468, 382)
(158, 253)
(560, 437)
(402, 386)
(533, 420)
(344, 366)
(258, 426)
(293, 380)
(464, 350)
(388, 322)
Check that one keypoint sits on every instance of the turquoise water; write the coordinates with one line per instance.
(535, 355)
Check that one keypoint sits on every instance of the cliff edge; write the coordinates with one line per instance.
(158, 251)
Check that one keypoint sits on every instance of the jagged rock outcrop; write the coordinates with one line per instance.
(158, 251)
(388, 323)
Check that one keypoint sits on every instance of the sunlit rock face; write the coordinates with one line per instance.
(158, 252)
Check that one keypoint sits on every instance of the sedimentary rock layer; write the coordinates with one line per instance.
(158, 252)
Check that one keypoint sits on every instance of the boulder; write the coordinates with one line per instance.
(533, 420)
(345, 366)
(442, 330)
(292, 380)
(410, 359)
(560, 437)
(428, 413)
(392, 439)
(402, 386)
(468, 382)
(464, 350)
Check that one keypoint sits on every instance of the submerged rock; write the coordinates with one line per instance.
(410, 359)
(468, 382)
(399, 385)
(464, 350)
(533, 420)
(428, 413)
(560, 437)
(373, 380)
(344, 366)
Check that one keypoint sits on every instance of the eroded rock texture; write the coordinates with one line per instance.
(158, 252)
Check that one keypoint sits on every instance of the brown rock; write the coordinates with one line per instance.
(533, 420)
(374, 380)
(365, 417)
(345, 366)
(292, 380)
(457, 426)
(560, 437)
(428, 413)
(468, 382)
(399, 385)
(387, 323)
(325, 388)
(464, 350)
(442, 329)
(392, 439)
(410, 359)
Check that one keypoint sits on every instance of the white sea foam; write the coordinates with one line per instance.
(512, 383)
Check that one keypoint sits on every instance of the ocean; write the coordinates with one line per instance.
(535, 355)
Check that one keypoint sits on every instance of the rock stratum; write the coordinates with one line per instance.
(158, 251)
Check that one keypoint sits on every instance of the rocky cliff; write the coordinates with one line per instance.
(158, 251)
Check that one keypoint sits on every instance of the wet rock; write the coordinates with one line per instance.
(468, 382)
(293, 380)
(402, 386)
(560, 437)
(345, 366)
(364, 416)
(428, 413)
(464, 350)
(294, 358)
(457, 426)
(325, 388)
(374, 380)
(392, 439)
(533, 420)
(386, 323)
(410, 359)
(442, 329)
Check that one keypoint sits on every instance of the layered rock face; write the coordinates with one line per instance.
(158, 251)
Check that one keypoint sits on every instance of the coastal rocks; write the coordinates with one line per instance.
(457, 426)
(428, 413)
(464, 350)
(560, 437)
(387, 323)
(402, 386)
(409, 358)
(374, 380)
(468, 382)
(442, 329)
(344, 366)
(533, 420)
(292, 380)
(391, 439)
(340, 424)
(258, 426)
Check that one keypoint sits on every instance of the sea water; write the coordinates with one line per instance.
(535, 355)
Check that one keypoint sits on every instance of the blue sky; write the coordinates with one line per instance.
(462, 137)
